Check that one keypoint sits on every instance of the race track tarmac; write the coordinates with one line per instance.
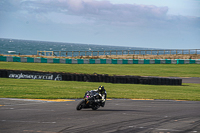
(195, 80)
(118, 116)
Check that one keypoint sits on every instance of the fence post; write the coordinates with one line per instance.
(128, 52)
(116, 52)
(72, 53)
(189, 51)
(110, 52)
(85, 53)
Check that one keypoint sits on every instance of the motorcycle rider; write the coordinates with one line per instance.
(102, 94)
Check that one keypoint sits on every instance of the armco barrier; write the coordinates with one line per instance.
(92, 61)
(50, 60)
(135, 61)
(130, 61)
(37, 60)
(197, 61)
(86, 61)
(56, 60)
(89, 77)
(68, 61)
(102, 61)
(43, 60)
(124, 61)
(80, 61)
(63, 61)
(3, 58)
(9, 59)
(99, 61)
(30, 60)
(74, 61)
(23, 59)
(16, 59)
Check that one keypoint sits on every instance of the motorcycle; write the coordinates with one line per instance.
(91, 100)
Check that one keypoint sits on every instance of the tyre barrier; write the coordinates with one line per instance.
(18, 74)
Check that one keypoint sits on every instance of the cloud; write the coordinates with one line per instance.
(9, 5)
(99, 11)
(90, 9)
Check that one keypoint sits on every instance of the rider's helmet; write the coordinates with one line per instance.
(101, 89)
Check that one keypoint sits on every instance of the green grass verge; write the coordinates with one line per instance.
(164, 70)
(48, 89)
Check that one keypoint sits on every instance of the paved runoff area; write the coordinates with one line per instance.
(118, 116)
(195, 80)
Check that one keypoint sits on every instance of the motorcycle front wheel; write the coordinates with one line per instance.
(80, 105)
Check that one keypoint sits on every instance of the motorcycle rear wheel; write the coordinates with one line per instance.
(95, 107)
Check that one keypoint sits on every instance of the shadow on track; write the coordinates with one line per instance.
(112, 110)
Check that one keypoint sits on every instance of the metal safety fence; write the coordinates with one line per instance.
(119, 52)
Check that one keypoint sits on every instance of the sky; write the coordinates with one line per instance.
(168, 24)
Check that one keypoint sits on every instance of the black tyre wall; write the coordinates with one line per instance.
(100, 78)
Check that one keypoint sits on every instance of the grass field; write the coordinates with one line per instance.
(164, 70)
(45, 89)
